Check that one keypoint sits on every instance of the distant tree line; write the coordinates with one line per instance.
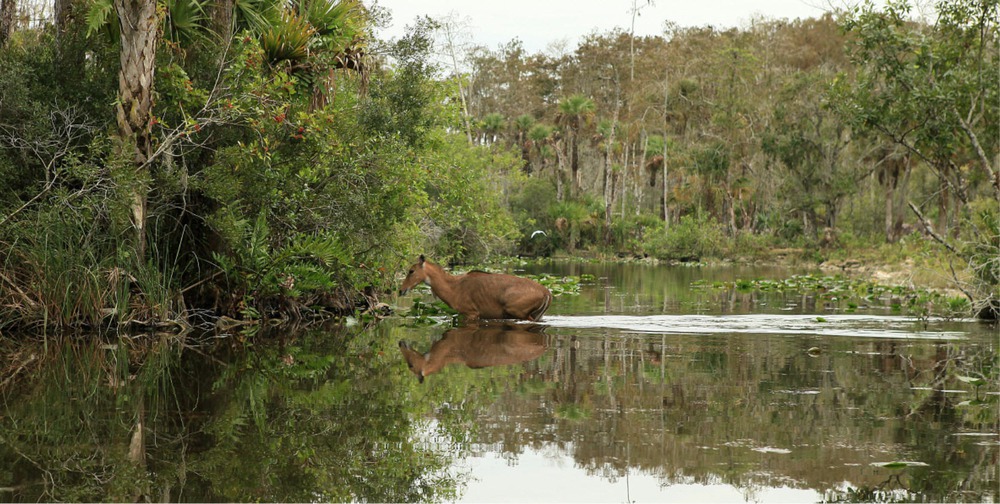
(864, 125)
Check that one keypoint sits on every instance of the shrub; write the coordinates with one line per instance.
(530, 206)
(692, 239)
(629, 233)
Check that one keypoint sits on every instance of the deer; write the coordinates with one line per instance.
(477, 346)
(480, 295)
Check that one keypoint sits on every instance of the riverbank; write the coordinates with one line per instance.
(889, 264)
(918, 266)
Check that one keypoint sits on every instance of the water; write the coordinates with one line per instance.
(641, 388)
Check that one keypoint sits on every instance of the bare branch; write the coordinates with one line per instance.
(930, 230)
(994, 175)
(68, 127)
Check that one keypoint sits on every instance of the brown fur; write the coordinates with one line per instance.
(477, 347)
(479, 295)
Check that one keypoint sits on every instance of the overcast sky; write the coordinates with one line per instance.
(537, 23)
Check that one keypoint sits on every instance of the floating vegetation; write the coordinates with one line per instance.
(851, 295)
(424, 314)
(563, 285)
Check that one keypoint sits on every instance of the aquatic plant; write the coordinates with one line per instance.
(851, 294)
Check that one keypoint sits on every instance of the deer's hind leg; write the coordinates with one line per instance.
(530, 309)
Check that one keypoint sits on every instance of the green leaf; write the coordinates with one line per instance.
(971, 379)
(99, 15)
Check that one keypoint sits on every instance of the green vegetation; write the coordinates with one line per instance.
(273, 160)
(315, 412)
(851, 294)
(267, 181)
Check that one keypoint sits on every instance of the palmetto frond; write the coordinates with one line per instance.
(185, 20)
(523, 123)
(256, 15)
(288, 39)
(343, 19)
(492, 123)
(575, 110)
(540, 133)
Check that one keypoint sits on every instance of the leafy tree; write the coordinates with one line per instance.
(809, 141)
(931, 91)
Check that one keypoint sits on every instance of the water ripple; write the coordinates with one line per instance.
(864, 326)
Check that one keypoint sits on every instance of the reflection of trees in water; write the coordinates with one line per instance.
(725, 408)
(304, 419)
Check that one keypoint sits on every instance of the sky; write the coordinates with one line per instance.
(539, 23)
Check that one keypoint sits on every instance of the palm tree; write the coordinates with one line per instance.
(522, 126)
(491, 125)
(575, 112)
(543, 138)
(138, 35)
(316, 36)
(539, 136)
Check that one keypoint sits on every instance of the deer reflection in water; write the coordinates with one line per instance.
(478, 346)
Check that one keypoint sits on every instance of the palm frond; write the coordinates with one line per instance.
(101, 16)
(185, 21)
(257, 15)
(287, 40)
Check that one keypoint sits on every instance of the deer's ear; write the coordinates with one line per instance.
(422, 259)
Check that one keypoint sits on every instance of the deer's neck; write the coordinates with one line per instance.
(442, 353)
(443, 284)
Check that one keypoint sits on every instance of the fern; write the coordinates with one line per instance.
(307, 265)
(99, 15)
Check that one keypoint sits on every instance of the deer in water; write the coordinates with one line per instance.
(477, 347)
(480, 295)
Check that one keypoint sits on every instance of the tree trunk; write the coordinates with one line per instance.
(560, 169)
(450, 26)
(889, 204)
(608, 182)
(666, 191)
(7, 9)
(637, 187)
(943, 197)
(137, 23)
(574, 164)
(623, 190)
(222, 20)
(901, 197)
(666, 103)
(61, 11)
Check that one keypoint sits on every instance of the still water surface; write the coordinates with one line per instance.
(641, 388)
(652, 390)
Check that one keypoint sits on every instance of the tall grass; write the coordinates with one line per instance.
(66, 269)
